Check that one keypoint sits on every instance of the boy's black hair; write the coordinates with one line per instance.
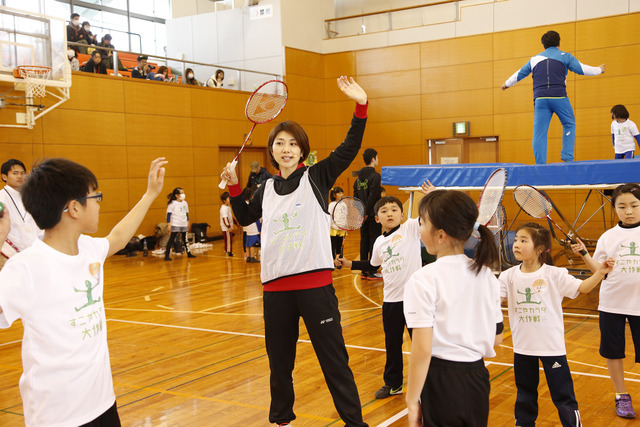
(385, 200)
(74, 15)
(625, 188)
(550, 39)
(368, 155)
(6, 166)
(224, 196)
(247, 193)
(619, 112)
(51, 185)
(96, 52)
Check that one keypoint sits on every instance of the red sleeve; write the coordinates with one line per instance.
(235, 190)
(361, 110)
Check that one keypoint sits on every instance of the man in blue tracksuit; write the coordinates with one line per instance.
(550, 69)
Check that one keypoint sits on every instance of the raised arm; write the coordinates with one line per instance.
(124, 230)
(591, 263)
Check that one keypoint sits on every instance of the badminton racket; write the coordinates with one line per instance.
(348, 215)
(491, 196)
(264, 105)
(537, 205)
(498, 220)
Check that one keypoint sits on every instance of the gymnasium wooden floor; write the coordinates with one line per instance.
(187, 349)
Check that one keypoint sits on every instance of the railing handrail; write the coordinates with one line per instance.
(362, 15)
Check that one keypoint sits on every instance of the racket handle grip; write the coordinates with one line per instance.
(232, 166)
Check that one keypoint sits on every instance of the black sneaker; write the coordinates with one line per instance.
(387, 391)
(190, 255)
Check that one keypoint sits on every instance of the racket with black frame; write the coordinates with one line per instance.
(537, 205)
(264, 105)
(348, 215)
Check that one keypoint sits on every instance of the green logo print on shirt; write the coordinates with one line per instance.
(94, 268)
(527, 293)
(632, 249)
(285, 221)
(389, 252)
(362, 184)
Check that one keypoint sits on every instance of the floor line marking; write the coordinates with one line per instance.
(355, 278)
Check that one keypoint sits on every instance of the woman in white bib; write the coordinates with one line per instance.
(296, 259)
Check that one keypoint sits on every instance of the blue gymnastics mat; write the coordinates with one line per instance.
(553, 174)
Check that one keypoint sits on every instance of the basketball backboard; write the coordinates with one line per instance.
(28, 38)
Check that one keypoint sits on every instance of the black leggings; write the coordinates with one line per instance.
(171, 242)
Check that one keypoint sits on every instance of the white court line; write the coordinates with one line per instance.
(231, 303)
(363, 295)
(157, 289)
(153, 310)
(12, 342)
(395, 418)
(164, 306)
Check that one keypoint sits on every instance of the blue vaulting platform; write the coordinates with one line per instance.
(553, 174)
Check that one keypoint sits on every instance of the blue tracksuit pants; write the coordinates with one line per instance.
(544, 109)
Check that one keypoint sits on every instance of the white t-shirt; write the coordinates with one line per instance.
(623, 134)
(462, 308)
(179, 213)
(535, 308)
(66, 379)
(399, 255)
(225, 212)
(24, 230)
(620, 291)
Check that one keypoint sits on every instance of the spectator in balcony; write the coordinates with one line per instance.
(107, 55)
(141, 71)
(95, 65)
(73, 59)
(75, 35)
(216, 79)
(88, 35)
(161, 75)
(190, 78)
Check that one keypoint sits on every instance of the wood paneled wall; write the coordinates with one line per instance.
(417, 90)
(116, 126)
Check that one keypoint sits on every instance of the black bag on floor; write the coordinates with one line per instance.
(199, 231)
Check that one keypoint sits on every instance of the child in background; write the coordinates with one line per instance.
(453, 307)
(178, 220)
(337, 235)
(56, 286)
(226, 223)
(397, 250)
(535, 290)
(252, 243)
(619, 292)
(623, 132)
(383, 192)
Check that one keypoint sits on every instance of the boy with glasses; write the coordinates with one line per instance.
(56, 288)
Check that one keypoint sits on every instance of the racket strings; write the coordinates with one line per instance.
(491, 196)
(265, 104)
(532, 202)
(348, 214)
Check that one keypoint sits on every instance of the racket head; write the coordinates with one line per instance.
(532, 201)
(491, 195)
(498, 220)
(266, 102)
(348, 214)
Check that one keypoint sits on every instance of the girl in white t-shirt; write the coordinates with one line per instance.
(178, 219)
(619, 293)
(535, 290)
(453, 306)
(624, 133)
(337, 235)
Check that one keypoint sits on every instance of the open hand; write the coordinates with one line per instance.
(349, 87)
(427, 187)
(156, 177)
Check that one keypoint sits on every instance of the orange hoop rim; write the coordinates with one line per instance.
(34, 70)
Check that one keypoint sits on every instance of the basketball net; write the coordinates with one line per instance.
(35, 77)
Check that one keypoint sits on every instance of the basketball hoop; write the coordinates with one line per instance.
(35, 77)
